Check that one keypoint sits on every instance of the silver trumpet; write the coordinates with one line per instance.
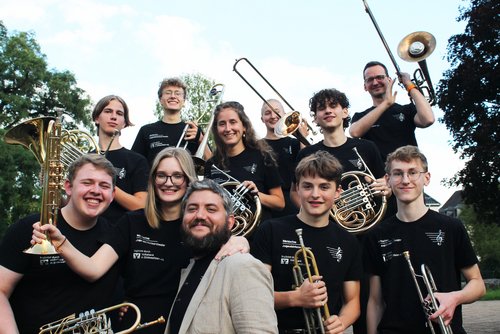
(429, 305)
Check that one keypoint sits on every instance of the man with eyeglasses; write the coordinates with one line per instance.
(388, 124)
(167, 132)
(439, 241)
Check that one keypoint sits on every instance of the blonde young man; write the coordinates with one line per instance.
(35, 289)
(154, 137)
(439, 241)
(338, 254)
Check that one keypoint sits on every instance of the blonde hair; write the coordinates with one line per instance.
(153, 206)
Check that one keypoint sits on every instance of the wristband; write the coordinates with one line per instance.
(62, 243)
(410, 87)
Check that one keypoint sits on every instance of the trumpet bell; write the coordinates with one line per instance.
(416, 46)
(287, 124)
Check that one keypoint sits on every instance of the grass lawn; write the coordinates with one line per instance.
(492, 294)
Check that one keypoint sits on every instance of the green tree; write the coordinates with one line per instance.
(469, 96)
(28, 89)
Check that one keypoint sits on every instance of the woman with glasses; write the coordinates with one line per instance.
(147, 242)
(241, 155)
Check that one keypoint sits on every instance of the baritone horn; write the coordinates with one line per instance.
(358, 208)
(415, 47)
(430, 304)
(289, 123)
(96, 322)
(313, 317)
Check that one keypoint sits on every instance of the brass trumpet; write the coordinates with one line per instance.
(289, 123)
(313, 317)
(430, 306)
(415, 47)
(95, 322)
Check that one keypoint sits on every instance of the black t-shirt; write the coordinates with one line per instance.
(154, 137)
(337, 253)
(131, 176)
(286, 149)
(395, 128)
(153, 259)
(348, 158)
(440, 242)
(49, 290)
(248, 166)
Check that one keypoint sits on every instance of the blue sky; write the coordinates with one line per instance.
(126, 47)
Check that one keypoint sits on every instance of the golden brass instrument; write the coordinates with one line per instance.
(287, 125)
(313, 317)
(429, 305)
(415, 47)
(214, 98)
(95, 322)
(54, 149)
(358, 207)
(247, 209)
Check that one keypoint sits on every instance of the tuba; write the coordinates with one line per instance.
(415, 47)
(55, 149)
(247, 208)
(358, 207)
(95, 322)
(313, 317)
(430, 306)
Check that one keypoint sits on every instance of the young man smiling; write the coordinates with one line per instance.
(44, 282)
(337, 252)
(433, 239)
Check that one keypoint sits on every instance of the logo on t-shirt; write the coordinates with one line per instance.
(336, 253)
(251, 169)
(356, 163)
(436, 237)
(400, 117)
(120, 173)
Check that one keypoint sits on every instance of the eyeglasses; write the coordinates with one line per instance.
(177, 179)
(413, 175)
(380, 77)
(177, 93)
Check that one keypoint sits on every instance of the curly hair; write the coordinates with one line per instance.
(175, 82)
(250, 139)
(332, 98)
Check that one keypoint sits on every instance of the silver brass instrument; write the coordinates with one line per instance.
(358, 207)
(95, 322)
(214, 98)
(55, 149)
(415, 47)
(247, 209)
(289, 123)
(313, 317)
(429, 305)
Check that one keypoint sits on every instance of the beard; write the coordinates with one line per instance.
(210, 243)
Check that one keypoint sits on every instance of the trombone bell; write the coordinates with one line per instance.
(287, 124)
(416, 46)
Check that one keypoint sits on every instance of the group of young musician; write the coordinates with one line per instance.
(139, 227)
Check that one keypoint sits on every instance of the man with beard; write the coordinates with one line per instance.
(233, 295)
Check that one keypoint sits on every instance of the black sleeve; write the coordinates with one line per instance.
(261, 247)
(140, 175)
(16, 239)
(140, 145)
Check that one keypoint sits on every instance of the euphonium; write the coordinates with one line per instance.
(247, 208)
(429, 305)
(313, 317)
(95, 322)
(358, 207)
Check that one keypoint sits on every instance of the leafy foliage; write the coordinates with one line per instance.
(28, 89)
(469, 96)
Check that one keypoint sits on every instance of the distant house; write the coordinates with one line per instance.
(453, 205)
(431, 202)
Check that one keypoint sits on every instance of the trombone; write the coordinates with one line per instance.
(289, 123)
(430, 306)
(415, 47)
(313, 317)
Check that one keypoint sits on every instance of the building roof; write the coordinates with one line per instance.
(430, 202)
(452, 202)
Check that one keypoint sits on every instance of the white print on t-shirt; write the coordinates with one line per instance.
(146, 240)
(251, 169)
(120, 173)
(383, 243)
(436, 237)
(400, 117)
(336, 253)
(356, 163)
(49, 260)
(286, 259)
(144, 254)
